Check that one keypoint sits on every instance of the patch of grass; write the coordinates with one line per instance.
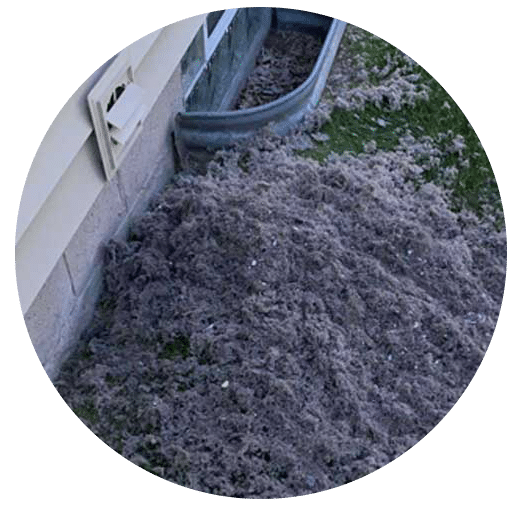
(243, 162)
(84, 353)
(349, 131)
(133, 236)
(376, 53)
(105, 309)
(117, 444)
(178, 347)
(87, 412)
(114, 380)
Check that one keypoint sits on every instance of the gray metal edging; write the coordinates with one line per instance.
(208, 131)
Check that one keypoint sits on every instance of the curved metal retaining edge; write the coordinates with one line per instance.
(209, 131)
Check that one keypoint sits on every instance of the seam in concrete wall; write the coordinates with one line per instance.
(68, 270)
(122, 194)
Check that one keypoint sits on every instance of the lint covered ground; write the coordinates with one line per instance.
(296, 317)
(285, 61)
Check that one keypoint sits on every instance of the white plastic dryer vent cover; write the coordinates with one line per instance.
(117, 109)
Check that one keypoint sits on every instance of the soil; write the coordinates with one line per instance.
(285, 61)
(279, 326)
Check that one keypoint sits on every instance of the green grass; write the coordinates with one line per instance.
(114, 380)
(179, 346)
(474, 185)
(106, 307)
(87, 412)
(350, 131)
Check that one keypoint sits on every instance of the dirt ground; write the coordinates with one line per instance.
(279, 326)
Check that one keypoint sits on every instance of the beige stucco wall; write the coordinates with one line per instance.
(66, 176)
(66, 218)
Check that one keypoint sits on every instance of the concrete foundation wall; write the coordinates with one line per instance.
(64, 306)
